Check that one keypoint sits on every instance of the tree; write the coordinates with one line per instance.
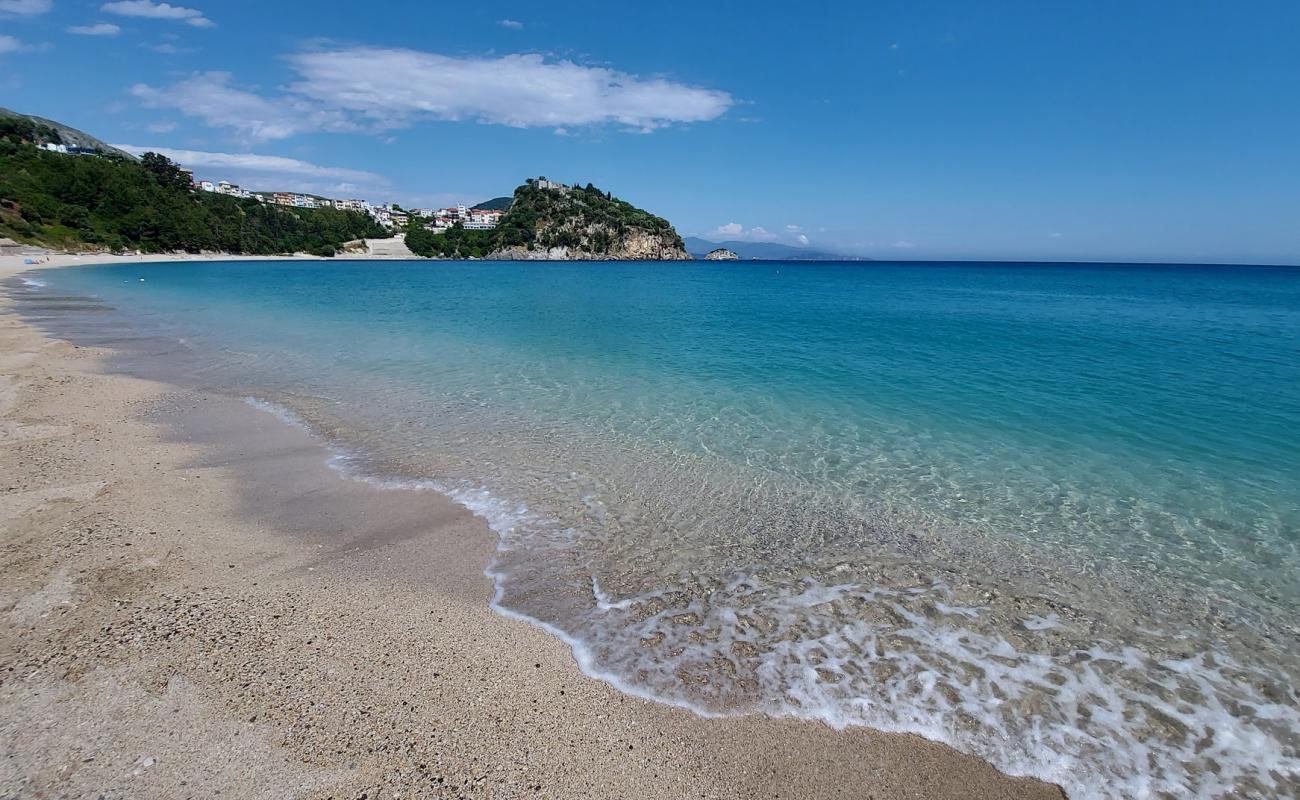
(165, 171)
(72, 201)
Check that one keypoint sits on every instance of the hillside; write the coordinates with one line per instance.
(86, 202)
(66, 135)
(583, 223)
(495, 204)
(562, 223)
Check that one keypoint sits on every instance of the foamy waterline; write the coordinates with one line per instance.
(818, 658)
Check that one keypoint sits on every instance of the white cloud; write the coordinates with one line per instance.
(98, 29)
(152, 10)
(374, 90)
(268, 170)
(25, 7)
(9, 44)
(734, 230)
(513, 24)
(802, 239)
(393, 87)
(794, 228)
(161, 127)
(210, 97)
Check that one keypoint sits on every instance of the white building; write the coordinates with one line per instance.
(352, 205)
(55, 148)
(233, 190)
(482, 220)
(207, 186)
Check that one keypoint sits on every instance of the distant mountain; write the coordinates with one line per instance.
(765, 251)
(495, 204)
(70, 136)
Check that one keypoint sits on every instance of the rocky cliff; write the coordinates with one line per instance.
(582, 223)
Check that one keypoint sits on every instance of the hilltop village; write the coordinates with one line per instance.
(390, 215)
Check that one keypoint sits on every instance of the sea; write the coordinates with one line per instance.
(1048, 514)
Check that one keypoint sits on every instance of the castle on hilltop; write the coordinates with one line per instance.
(540, 182)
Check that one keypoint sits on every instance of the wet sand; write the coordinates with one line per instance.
(196, 605)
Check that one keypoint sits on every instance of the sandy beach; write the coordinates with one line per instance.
(196, 605)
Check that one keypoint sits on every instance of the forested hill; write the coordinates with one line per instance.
(115, 204)
(495, 204)
(58, 133)
(560, 223)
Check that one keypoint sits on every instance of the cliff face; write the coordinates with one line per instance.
(582, 224)
(634, 246)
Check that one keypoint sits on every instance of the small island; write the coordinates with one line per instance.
(721, 254)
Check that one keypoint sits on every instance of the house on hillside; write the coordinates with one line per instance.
(233, 190)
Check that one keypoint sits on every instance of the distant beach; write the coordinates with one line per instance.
(196, 604)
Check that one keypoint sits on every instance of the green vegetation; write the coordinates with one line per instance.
(24, 129)
(495, 204)
(578, 218)
(455, 242)
(584, 218)
(113, 203)
(52, 131)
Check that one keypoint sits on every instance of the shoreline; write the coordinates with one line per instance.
(188, 585)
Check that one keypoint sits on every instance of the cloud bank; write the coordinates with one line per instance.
(393, 86)
(25, 8)
(99, 29)
(210, 97)
(738, 232)
(377, 89)
(276, 172)
(149, 9)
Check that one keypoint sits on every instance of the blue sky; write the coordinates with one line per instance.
(1058, 130)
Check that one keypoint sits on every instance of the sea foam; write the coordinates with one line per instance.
(1105, 721)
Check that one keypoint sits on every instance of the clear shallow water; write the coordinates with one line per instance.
(1048, 514)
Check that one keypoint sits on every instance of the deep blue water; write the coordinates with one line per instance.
(1048, 513)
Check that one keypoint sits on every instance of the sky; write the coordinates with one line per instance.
(1137, 130)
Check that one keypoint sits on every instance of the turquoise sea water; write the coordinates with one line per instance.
(1049, 514)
